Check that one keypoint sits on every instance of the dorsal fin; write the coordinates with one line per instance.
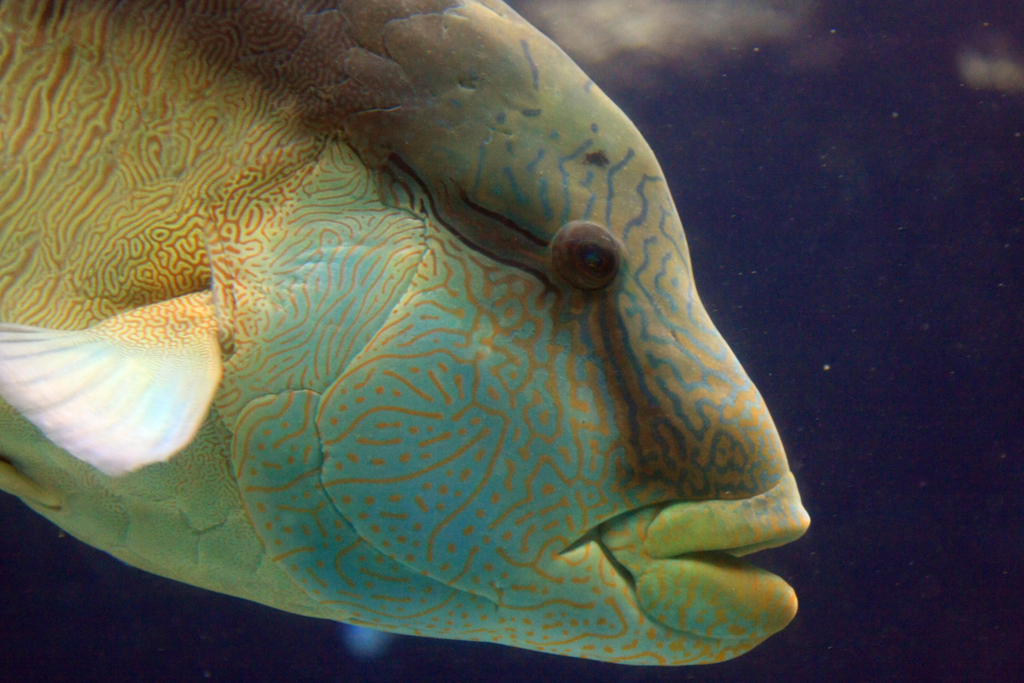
(130, 391)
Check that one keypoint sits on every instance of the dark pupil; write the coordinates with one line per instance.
(594, 257)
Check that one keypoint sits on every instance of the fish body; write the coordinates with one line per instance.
(380, 312)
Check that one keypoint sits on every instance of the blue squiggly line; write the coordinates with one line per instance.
(532, 166)
(642, 217)
(634, 362)
(479, 177)
(665, 215)
(590, 206)
(611, 184)
(520, 197)
(658, 288)
(643, 264)
(719, 353)
(533, 66)
(698, 432)
(566, 198)
(545, 202)
(684, 264)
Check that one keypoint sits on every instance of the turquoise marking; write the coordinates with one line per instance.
(462, 412)
(658, 360)
(566, 197)
(611, 184)
(520, 197)
(673, 368)
(666, 215)
(532, 166)
(642, 217)
(719, 354)
(533, 67)
(545, 202)
(673, 306)
(481, 154)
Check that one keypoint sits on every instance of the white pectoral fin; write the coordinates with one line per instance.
(128, 392)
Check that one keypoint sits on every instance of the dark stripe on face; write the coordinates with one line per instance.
(398, 163)
(507, 222)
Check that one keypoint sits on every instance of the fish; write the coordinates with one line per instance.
(378, 312)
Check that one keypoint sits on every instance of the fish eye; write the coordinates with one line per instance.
(585, 255)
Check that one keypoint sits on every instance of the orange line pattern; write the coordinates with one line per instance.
(103, 167)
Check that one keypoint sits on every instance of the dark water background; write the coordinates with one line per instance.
(868, 217)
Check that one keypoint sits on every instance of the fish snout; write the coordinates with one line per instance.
(683, 559)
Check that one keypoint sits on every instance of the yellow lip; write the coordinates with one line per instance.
(717, 596)
(684, 561)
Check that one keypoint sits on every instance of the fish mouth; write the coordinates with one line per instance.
(683, 560)
(716, 596)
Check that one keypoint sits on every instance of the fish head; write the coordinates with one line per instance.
(576, 333)
(461, 345)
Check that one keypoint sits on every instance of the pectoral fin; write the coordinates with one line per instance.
(128, 392)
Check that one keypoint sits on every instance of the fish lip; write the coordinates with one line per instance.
(717, 597)
(738, 527)
(683, 563)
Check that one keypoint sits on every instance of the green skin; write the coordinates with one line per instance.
(422, 426)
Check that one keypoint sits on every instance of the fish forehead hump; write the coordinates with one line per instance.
(502, 139)
(471, 116)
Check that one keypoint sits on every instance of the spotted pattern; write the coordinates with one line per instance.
(421, 426)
